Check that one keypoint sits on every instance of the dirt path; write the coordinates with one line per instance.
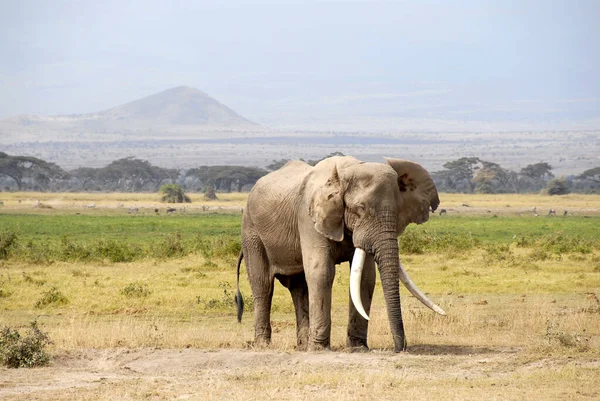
(424, 373)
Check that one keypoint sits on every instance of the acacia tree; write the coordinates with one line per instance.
(19, 168)
(84, 175)
(535, 176)
(133, 174)
(223, 177)
(492, 178)
(458, 175)
(592, 175)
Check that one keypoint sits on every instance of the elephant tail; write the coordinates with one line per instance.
(239, 300)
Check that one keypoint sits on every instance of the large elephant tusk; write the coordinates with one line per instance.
(358, 262)
(410, 286)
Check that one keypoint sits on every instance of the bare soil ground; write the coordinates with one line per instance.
(425, 372)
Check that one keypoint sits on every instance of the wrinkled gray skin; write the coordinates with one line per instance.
(300, 221)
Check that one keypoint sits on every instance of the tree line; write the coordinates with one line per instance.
(129, 174)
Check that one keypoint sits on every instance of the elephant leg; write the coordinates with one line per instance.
(261, 282)
(320, 272)
(299, 291)
(357, 325)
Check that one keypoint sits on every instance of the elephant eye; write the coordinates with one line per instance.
(359, 209)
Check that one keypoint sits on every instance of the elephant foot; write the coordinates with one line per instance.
(357, 344)
(319, 346)
(261, 342)
(302, 345)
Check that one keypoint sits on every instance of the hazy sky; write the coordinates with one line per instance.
(266, 59)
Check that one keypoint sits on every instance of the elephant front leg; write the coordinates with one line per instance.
(358, 326)
(319, 278)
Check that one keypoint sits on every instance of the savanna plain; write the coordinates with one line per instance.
(138, 304)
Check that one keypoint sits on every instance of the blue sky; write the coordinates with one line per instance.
(480, 60)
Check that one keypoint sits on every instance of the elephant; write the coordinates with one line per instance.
(300, 221)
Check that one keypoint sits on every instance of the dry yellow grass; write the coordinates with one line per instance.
(520, 203)
(515, 329)
(81, 200)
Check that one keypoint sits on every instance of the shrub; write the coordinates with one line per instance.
(8, 240)
(499, 253)
(568, 340)
(209, 192)
(558, 243)
(136, 290)
(173, 193)
(51, 297)
(70, 251)
(17, 351)
(171, 246)
(226, 245)
(557, 186)
(421, 241)
(116, 251)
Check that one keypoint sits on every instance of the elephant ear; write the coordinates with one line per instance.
(417, 190)
(326, 208)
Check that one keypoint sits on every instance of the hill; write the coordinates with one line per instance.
(177, 110)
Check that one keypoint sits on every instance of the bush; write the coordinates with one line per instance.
(558, 243)
(557, 186)
(8, 239)
(209, 192)
(499, 253)
(421, 241)
(173, 193)
(116, 251)
(17, 351)
(136, 290)
(171, 246)
(52, 296)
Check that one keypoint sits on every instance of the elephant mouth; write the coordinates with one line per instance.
(357, 265)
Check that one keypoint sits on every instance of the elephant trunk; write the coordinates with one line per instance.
(385, 251)
(386, 256)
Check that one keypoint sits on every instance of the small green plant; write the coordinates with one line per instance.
(28, 351)
(136, 290)
(51, 297)
(173, 193)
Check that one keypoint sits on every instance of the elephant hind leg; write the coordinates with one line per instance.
(299, 291)
(261, 282)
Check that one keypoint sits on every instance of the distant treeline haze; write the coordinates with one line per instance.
(464, 175)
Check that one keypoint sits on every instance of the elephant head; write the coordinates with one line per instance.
(373, 203)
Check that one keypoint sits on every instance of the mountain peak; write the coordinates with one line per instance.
(181, 105)
(178, 109)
